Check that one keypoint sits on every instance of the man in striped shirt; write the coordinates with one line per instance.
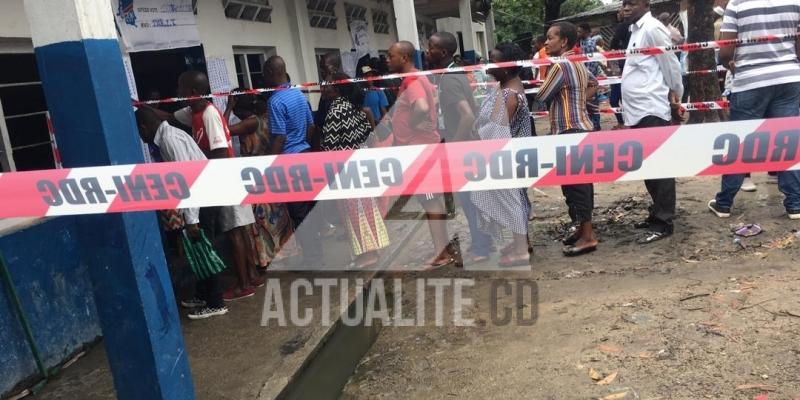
(766, 82)
(567, 87)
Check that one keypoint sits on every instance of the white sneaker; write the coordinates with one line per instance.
(748, 185)
(194, 302)
(794, 214)
(772, 179)
(207, 312)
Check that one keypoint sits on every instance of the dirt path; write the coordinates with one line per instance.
(694, 316)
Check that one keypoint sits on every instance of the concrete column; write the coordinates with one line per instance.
(467, 32)
(84, 82)
(406, 22)
(491, 42)
(301, 37)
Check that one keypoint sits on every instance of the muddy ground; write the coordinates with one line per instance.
(691, 317)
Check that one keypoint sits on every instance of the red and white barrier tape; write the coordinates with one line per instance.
(695, 106)
(53, 143)
(626, 155)
(609, 55)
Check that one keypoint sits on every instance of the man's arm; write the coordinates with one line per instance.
(419, 113)
(384, 103)
(277, 127)
(310, 132)
(727, 54)
(729, 30)
(466, 120)
(218, 153)
(245, 127)
(161, 114)
(276, 147)
(669, 64)
(592, 86)
(797, 44)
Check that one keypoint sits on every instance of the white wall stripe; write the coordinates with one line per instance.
(56, 21)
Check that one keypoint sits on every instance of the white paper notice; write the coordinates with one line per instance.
(147, 25)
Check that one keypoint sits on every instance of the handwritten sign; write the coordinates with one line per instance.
(147, 25)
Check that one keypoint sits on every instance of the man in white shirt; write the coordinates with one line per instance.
(651, 89)
(175, 145)
(210, 132)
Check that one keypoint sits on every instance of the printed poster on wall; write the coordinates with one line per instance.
(360, 35)
(147, 25)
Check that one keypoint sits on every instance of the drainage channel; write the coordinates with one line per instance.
(328, 367)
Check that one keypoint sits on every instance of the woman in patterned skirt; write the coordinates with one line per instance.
(504, 115)
(346, 128)
(272, 233)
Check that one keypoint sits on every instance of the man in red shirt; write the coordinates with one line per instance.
(210, 132)
(414, 120)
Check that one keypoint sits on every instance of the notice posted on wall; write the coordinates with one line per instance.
(126, 62)
(218, 79)
(147, 25)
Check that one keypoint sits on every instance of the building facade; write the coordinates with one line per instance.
(44, 259)
(242, 33)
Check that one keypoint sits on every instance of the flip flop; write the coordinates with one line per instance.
(520, 262)
(368, 265)
(440, 264)
(479, 259)
(571, 240)
(573, 251)
(504, 251)
(749, 230)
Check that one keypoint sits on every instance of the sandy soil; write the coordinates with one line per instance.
(693, 316)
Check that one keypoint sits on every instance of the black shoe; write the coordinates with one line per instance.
(722, 212)
(654, 236)
(642, 225)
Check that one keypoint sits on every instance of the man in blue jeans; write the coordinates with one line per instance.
(766, 83)
(457, 111)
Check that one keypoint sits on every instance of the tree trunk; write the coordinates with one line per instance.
(703, 87)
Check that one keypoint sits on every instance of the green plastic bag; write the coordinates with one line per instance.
(202, 258)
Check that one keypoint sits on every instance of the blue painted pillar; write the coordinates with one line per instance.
(84, 82)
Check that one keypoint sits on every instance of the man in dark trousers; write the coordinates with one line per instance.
(651, 90)
(291, 125)
(457, 111)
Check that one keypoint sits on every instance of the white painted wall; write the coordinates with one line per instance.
(453, 25)
(13, 23)
(220, 35)
(340, 38)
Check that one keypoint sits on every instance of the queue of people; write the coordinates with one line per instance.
(446, 108)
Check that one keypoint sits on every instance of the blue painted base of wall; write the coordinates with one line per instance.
(56, 293)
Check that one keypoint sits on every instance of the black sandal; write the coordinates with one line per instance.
(573, 251)
(571, 240)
